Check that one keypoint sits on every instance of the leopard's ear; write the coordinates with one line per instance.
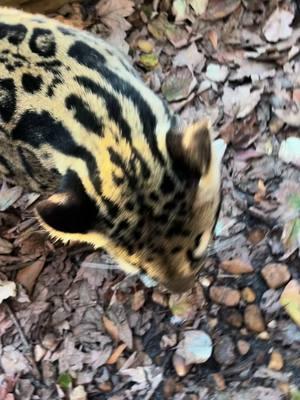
(70, 210)
(192, 150)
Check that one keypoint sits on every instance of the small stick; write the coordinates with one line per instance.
(18, 327)
(26, 344)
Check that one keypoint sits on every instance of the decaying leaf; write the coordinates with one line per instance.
(179, 9)
(113, 12)
(239, 102)
(220, 9)
(190, 57)
(277, 27)
(28, 275)
(199, 6)
(178, 85)
(9, 196)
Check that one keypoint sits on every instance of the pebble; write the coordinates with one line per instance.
(276, 275)
(180, 365)
(234, 318)
(276, 361)
(224, 295)
(224, 351)
(195, 347)
(219, 380)
(248, 295)
(243, 347)
(236, 266)
(253, 318)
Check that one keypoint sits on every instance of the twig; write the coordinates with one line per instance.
(26, 344)
(18, 327)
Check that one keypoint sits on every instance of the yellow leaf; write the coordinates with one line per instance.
(290, 300)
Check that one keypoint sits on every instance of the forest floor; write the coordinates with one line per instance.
(75, 327)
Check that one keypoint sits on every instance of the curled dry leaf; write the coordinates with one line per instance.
(195, 347)
(7, 289)
(237, 266)
(277, 27)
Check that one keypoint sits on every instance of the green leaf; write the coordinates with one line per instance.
(65, 381)
(149, 61)
(296, 395)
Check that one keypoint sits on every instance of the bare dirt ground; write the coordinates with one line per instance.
(75, 327)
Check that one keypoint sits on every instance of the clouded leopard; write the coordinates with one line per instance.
(78, 124)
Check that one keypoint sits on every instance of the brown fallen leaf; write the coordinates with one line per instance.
(111, 328)
(28, 275)
(113, 12)
(219, 9)
(116, 354)
(237, 266)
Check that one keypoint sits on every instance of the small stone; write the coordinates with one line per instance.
(248, 295)
(276, 361)
(50, 341)
(181, 367)
(263, 335)
(168, 341)
(224, 295)
(105, 387)
(39, 352)
(237, 266)
(220, 381)
(276, 275)
(253, 318)
(224, 351)
(243, 347)
(234, 318)
(195, 347)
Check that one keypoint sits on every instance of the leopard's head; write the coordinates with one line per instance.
(164, 226)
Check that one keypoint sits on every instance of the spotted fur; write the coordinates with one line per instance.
(78, 123)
